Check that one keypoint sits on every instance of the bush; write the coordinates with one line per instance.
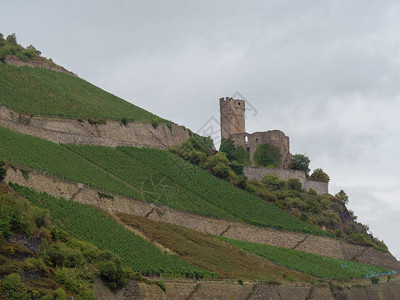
(241, 182)
(59, 294)
(294, 184)
(267, 156)
(111, 269)
(374, 280)
(74, 281)
(342, 196)
(236, 168)
(155, 122)
(221, 170)
(3, 171)
(319, 175)
(273, 182)
(300, 162)
(220, 157)
(13, 288)
(42, 216)
(124, 121)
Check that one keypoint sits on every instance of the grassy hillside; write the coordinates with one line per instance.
(37, 91)
(163, 178)
(92, 225)
(315, 265)
(208, 252)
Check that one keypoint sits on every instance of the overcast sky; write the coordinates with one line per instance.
(324, 72)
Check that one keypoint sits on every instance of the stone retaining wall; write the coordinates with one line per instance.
(183, 290)
(111, 134)
(285, 174)
(314, 244)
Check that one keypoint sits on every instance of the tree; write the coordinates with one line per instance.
(319, 175)
(342, 196)
(267, 156)
(12, 39)
(228, 148)
(242, 156)
(300, 162)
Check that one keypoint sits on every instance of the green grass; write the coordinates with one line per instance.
(55, 160)
(89, 224)
(313, 264)
(44, 92)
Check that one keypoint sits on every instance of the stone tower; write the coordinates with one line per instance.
(232, 116)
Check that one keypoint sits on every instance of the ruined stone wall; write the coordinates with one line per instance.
(15, 61)
(111, 134)
(314, 244)
(285, 174)
(232, 113)
(193, 290)
(273, 137)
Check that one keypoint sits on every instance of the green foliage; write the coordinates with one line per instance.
(89, 224)
(111, 269)
(342, 196)
(40, 91)
(319, 175)
(374, 280)
(221, 170)
(155, 122)
(236, 168)
(267, 156)
(59, 294)
(273, 182)
(13, 288)
(242, 156)
(294, 184)
(3, 171)
(241, 182)
(97, 122)
(42, 217)
(12, 39)
(228, 148)
(75, 280)
(300, 162)
(313, 264)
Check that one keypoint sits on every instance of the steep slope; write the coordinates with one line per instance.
(38, 91)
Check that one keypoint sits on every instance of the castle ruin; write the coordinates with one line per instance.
(232, 113)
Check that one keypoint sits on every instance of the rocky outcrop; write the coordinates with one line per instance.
(111, 134)
(314, 244)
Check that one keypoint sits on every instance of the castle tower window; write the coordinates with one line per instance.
(248, 149)
(246, 140)
(256, 140)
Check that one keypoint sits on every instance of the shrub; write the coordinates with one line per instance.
(300, 162)
(319, 175)
(12, 39)
(220, 157)
(13, 288)
(273, 182)
(342, 196)
(59, 235)
(155, 122)
(228, 148)
(59, 294)
(241, 182)
(221, 170)
(267, 155)
(41, 216)
(3, 171)
(111, 269)
(73, 280)
(236, 168)
(124, 121)
(34, 264)
(338, 233)
(294, 184)
(374, 280)
(240, 281)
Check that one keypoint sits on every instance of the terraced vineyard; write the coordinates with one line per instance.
(55, 160)
(40, 91)
(191, 186)
(157, 176)
(91, 225)
(313, 264)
